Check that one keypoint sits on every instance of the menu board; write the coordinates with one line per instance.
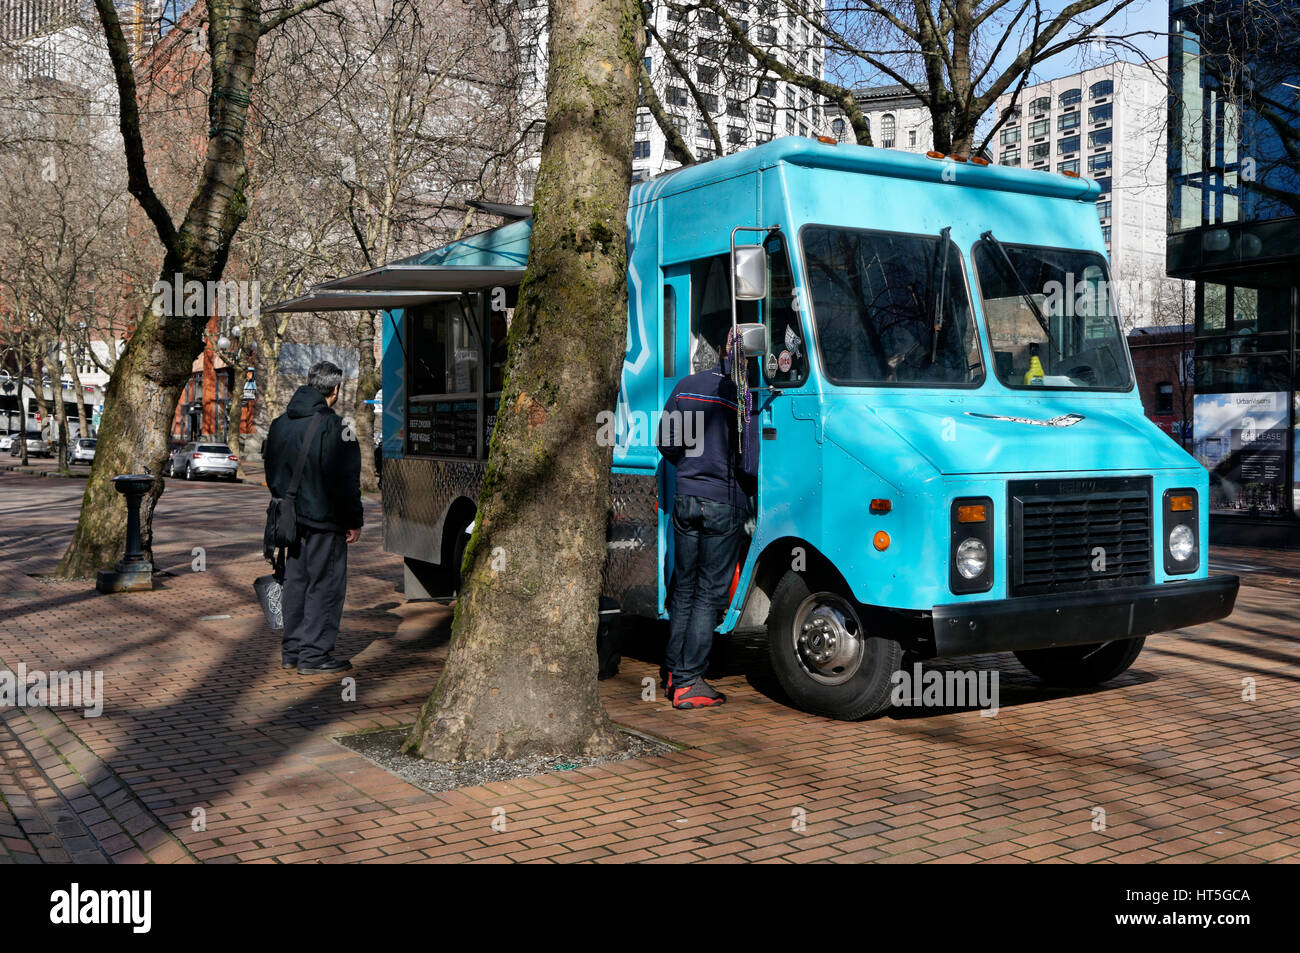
(443, 428)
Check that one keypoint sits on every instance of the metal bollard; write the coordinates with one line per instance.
(133, 572)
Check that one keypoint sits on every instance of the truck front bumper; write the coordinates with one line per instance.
(1077, 618)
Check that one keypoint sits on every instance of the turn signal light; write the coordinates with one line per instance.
(881, 541)
(934, 154)
(1182, 504)
(973, 513)
(881, 506)
(830, 141)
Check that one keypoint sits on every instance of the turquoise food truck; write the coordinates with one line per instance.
(954, 458)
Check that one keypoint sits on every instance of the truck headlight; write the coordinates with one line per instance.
(972, 558)
(1181, 529)
(1182, 543)
(970, 546)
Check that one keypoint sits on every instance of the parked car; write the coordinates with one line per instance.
(203, 459)
(6, 440)
(82, 450)
(37, 446)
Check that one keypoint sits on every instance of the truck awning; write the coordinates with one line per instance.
(427, 278)
(355, 301)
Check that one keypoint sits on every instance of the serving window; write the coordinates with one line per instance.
(455, 359)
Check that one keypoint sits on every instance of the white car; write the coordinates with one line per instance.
(203, 459)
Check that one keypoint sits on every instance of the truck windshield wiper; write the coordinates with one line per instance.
(941, 297)
(1024, 292)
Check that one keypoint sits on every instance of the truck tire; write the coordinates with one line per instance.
(821, 654)
(1082, 666)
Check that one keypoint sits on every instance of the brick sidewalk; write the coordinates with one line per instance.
(201, 724)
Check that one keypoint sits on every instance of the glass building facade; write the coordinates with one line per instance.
(1234, 229)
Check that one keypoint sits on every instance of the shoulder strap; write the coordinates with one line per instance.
(298, 466)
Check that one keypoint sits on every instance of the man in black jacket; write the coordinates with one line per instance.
(328, 509)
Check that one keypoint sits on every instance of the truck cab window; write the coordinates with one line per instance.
(786, 339)
(889, 309)
(1071, 339)
(711, 310)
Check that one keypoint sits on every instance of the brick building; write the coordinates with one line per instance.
(1162, 363)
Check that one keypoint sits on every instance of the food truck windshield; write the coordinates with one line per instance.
(1051, 317)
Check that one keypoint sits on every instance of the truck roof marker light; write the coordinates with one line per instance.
(829, 140)
(933, 154)
(1068, 174)
(1181, 504)
(881, 541)
(976, 160)
(956, 158)
(972, 513)
(881, 506)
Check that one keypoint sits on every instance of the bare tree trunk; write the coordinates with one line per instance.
(367, 386)
(60, 428)
(520, 677)
(83, 419)
(235, 411)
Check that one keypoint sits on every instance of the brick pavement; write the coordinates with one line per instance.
(201, 724)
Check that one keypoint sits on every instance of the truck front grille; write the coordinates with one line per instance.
(1068, 535)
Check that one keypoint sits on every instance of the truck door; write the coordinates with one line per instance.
(675, 361)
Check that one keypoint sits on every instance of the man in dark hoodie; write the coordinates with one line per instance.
(716, 476)
(328, 509)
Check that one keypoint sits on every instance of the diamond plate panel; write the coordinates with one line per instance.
(632, 564)
(417, 494)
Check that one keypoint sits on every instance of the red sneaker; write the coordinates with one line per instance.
(698, 694)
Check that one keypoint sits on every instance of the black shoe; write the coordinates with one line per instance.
(285, 663)
(698, 694)
(327, 666)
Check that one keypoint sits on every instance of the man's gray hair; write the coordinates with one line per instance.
(325, 376)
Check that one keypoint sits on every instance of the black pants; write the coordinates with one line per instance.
(706, 542)
(315, 582)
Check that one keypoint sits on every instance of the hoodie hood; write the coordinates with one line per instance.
(306, 401)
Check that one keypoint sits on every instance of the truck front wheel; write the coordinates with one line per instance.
(1082, 666)
(823, 656)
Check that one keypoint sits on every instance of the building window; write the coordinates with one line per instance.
(1098, 114)
(887, 129)
(1071, 166)
(1105, 185)
(1099, 163)
(1103, 208)
(1071, 97)
(676, 96)
(1041, 105)
(641, 149)
(766, 113)
(1102, 137)
(911, 138)
(1067, 121)
(1039, 151)
(736, 135)
(735, 109)
(789, 97)
(767, 88)
(789, 123)
(1040, 127)
(710, 102)
(1009, 135)
(1011, 157)
(707, 75)
(702, 130)
(1105, 234)
(1104, 88)
(1164, 398)
(767, 34)
(1067, 145)
(642, 121)
(838, 127)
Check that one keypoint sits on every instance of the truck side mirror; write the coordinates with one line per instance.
(753, 339)
(749, 272)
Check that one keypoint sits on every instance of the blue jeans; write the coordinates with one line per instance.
(706, 542)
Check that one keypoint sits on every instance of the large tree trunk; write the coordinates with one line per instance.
(134, 433)
(520, 677)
